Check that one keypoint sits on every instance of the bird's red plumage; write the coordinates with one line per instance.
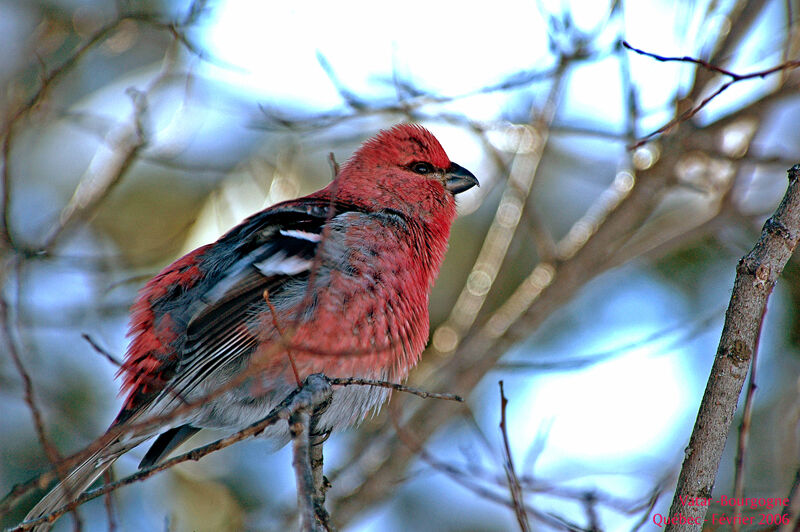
(338, 279)
(372, 324)
(379, 331)
(153, 335)
(402, 145)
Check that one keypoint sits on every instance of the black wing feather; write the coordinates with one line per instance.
(249, 261)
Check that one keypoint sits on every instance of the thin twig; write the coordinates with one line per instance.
(350, 381)
(27, 383)
(108, 499)
(466, 480)
(658, 490)
(321, 483)
(735, 78)
(50, 450)
(511, 474)
(317, 438)
(688, 59)
(284, 339)
(693, 328)
(744, 432)
(590, 507)
(334, 165)
(99, 349)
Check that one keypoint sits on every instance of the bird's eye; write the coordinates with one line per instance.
(422, 168)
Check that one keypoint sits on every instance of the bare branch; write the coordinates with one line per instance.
(300, 426)
(756, 275)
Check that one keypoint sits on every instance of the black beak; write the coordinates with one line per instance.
(458, 179)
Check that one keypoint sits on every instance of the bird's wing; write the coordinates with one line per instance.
(211, 323)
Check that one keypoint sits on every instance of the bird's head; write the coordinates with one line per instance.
(408, 164)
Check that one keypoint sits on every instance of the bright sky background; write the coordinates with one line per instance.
(628, 412)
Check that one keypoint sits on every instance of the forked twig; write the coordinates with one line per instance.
(735, 78)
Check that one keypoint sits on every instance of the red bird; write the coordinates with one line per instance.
(338, 281)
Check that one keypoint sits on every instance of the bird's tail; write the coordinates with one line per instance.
(78, 480)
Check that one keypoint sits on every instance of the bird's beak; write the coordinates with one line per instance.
(458, 179)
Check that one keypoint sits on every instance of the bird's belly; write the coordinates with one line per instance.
(239, 408)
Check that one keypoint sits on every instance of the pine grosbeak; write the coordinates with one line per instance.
(338, 280)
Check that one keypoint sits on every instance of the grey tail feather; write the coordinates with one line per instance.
(78, 480)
